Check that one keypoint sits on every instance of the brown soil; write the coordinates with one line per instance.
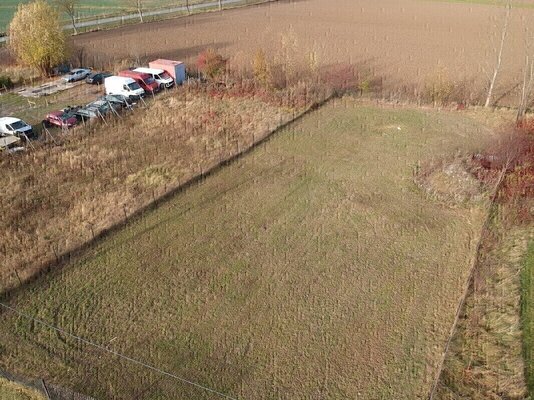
(406, 43)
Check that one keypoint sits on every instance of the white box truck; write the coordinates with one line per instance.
(120, 85)
(176, 69)
(164, 80)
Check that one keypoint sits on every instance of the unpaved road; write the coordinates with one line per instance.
(405, 43)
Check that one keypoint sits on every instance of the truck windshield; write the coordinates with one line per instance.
(134, 86)
(17, 125)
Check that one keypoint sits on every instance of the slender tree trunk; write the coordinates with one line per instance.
(73, 19)
(526, 90)
(187, 6)
(499, 55)
(140, 10)
(220, 4)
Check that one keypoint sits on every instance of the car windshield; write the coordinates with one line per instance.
(134, 86)
(165, 75)
(66, 116)
(17, 125)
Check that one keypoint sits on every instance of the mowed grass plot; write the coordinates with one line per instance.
(312, 267)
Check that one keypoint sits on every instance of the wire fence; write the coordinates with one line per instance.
(87, 22)
(125, 363)
(48, 390)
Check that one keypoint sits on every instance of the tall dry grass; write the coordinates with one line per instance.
(57, 198)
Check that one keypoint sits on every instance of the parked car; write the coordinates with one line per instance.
(162, 77)
(123, 86)
(146, 81)
(61, 119)
(10, 126)
(97, 78)
(95, 109)
(118, 100)
(77, 74)
(10, 144)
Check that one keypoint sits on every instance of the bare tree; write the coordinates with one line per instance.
(69, 7)
(220, 4)
(137, 5)
(528, 81)
(499, 54)
(187, 6)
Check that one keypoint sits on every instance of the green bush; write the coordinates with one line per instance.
(6, 82)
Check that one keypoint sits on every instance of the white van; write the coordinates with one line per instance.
(160, 76)
(123, 86)
(10, 126)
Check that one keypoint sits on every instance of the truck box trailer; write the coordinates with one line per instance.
(176, 69)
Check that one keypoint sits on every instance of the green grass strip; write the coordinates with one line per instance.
(527, 314)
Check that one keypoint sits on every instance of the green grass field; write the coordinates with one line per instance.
(312, 267)
(90, 8)
(527, 313)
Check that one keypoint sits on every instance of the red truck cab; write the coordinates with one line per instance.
(146, 81)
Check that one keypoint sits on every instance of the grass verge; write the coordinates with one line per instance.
(14, 391)
(527, 313)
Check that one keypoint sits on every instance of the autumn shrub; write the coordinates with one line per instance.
(36, 36)
(438, 88)
(261, 69)
(211, 64)
(342, 78)
(513, 153)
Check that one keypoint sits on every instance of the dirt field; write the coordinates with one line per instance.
(313, 267)
(406, 43)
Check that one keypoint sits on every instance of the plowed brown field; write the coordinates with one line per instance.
(406, 43)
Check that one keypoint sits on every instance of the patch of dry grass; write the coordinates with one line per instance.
(14, 391)
(56, 198)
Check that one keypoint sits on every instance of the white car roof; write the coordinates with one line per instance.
(9, 120)
(149, 70)
(123, 79)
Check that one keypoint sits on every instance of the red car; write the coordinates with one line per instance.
(62, 119)
(146, 81)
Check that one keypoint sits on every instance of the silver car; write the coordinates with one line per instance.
(77, 74)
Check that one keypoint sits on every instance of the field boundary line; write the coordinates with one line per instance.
(99, 22)
(63, 259)
(469, 282)
(116, 353)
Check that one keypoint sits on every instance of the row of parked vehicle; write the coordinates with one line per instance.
(122, 90)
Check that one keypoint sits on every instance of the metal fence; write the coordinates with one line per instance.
(87, 23)
(48, 390)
